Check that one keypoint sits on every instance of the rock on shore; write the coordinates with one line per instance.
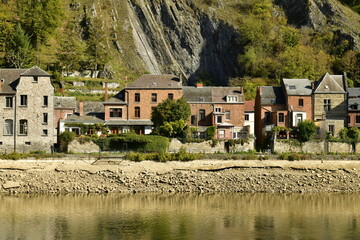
(197, 176)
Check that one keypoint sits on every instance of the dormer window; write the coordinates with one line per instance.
(292, 87)
(231, 98)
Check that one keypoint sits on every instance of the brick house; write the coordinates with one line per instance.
(298, 100)
(132, 107)
(330, 104)
(26, 96)
(222, 107)
(353, 107)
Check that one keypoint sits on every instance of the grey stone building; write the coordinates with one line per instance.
(27, 116)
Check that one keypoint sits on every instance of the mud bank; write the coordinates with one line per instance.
(196, 176)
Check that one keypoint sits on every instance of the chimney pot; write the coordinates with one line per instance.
(81, 108)
(199, 85)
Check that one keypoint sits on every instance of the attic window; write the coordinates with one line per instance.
(154, 83)
(202, 99)
(231, 98)
(326, 87)
(273, 101)
(170, 84)
(35, 79)
(292, 87)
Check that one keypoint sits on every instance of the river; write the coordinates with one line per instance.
(180, 216)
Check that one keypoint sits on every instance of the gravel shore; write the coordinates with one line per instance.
(195, 176)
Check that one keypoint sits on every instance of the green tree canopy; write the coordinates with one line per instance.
(307, 130)
(170, 117)
(19, 53)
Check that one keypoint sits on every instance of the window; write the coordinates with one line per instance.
(137, 97)
(202, 114)
(45, 118)
(153, 97)
(221, 133)
(45, 132)
(116, 112)
(170, 96)
(231, 98)
(301, 102)
(299, 118)
(218, 110)
(9, 127)
(45, 101)
(332, 129)
(227, 115)
(23, 127)
(9, 102)
(327, 105)
(354, 106)
(35, 79)
(247, 117)
(23, 100)
(137, 112)
(357, 119)
(267, 117)
(281, 118)
(193, 119)
(27, 143)
(218, 119)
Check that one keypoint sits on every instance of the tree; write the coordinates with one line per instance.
(20, 51)
(307, 130)
(170, 117)
(71, 51)
(39, 18)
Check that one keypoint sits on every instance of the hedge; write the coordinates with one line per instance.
(133, 142)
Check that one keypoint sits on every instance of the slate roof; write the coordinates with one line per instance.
(167, 81)
(297, 87)
(65, 102)
(272, 95)
(129, 122)
(10, 77)
(90, 118)
(118, 98)
(211, 94)
(330, 84)
(354, 98)
(35, 71)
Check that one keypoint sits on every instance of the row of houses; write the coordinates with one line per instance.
(32, 117)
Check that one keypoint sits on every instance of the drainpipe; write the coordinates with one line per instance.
(14, 123)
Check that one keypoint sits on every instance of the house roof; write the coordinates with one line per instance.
(354, 98)
(212, 94)
(93, 107)
(250, 106)
(10, 77)
(89, 118)
(129, 122)
(331, 84)
(297, 87)
(167, 81)
(118, 98)
(272, 95)
(35, 71)
(65, 102)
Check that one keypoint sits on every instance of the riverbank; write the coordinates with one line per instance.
(87, 176)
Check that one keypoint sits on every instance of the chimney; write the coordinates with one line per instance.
(106, 96)
(260, 89)
(199, 85)
(180, 77)
(242, 90)
(81, 108)
(312, 85)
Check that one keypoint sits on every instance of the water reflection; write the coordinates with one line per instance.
(181, 216)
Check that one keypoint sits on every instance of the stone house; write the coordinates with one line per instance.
(353, 107)
(26, 96)
(330, 104)
(222, 107)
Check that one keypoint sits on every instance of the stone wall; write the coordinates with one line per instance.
(312, 147)
(76, 147)
(247, 146)
(204, 147)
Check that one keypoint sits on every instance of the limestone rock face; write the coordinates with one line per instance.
(324, 15)
(175, 36)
